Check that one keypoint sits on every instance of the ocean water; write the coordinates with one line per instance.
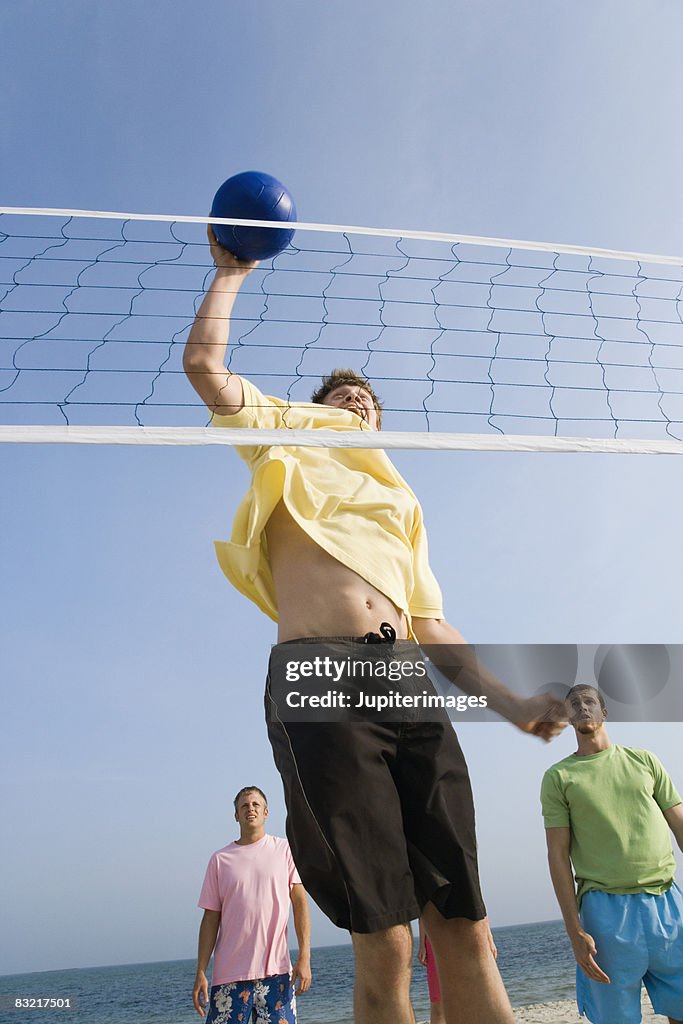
(535, 960)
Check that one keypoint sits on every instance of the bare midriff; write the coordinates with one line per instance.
(316, 594)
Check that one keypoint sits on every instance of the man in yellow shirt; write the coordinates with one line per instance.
(330, 543)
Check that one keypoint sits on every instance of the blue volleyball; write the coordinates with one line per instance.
(253, 195)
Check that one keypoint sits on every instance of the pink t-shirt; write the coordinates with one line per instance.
(250, 886)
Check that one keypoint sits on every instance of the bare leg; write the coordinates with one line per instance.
(472, 990)
(436, 1015)
(382, 990)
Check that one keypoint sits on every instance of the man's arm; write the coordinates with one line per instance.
(558, 842)
(204, 355)
(208, 933)
(301, 975)
(543, 716)
(674, 817)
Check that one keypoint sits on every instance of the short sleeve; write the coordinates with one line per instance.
(293, 874)
(426, 601)
(553, 802)
(259, 410)
(665, 793)
(209, 897)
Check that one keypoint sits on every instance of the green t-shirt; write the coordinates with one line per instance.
(613, 801)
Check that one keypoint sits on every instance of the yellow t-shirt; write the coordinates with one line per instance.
(350, 501)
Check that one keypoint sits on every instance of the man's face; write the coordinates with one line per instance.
(251, 811)
(585, 711)
(357, 400)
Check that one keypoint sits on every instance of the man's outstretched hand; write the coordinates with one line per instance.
(544, 716)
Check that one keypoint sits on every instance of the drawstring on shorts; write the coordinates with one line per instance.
(386, 635)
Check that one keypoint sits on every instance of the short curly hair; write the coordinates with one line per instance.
(337, 378)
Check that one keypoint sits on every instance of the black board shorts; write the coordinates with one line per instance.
(380, 816)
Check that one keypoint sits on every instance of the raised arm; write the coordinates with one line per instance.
(208, 933)
(204, 355)
(541, 716)
(558, 842)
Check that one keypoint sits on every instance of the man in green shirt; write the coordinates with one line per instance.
(607, 811)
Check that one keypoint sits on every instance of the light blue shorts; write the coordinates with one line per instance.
(639, 939)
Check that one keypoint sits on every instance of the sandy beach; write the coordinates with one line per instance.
(565, 1012)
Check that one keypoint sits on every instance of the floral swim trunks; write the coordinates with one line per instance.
(265, 1001)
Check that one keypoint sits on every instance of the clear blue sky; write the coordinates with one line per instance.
(132, 674)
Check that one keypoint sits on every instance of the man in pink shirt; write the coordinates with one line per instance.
(246, 895)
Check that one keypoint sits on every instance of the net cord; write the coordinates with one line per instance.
(427, 236)
(413, 440)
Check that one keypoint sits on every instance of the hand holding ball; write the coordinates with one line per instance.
(253, 195)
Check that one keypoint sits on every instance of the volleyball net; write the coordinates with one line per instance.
(471, 343)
